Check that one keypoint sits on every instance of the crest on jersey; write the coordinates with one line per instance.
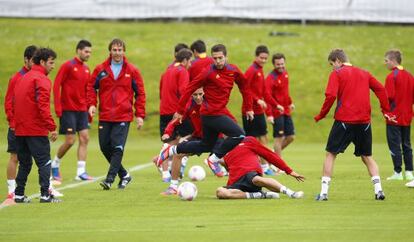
(75, 69)
(259, 74)
(286, 75)
(127, 75)
(217, 76)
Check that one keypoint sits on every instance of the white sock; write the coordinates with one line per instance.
(184, 161)
(286, 191)
(81, 167)
(254, 195)
(172, 151)
(56, 162)
(213, 158)
(11, 185)
(174, 184)
(376, 180)
(165, 174)
(325, 184)
(265, 166)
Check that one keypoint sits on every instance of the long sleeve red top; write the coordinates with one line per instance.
(199, 64)
(70, 87)
(257, 85)
(32, 104)
(350, 86)
(116, 97)
(277, 84)
(192, 112)
(9, 98)
(172, 85)
(244, 158)
(217, 84)
(400, 89)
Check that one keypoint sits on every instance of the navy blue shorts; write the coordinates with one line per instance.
(256, 127)
(73, 121)
(342, 134)
(245, 183)
(283, 126)
(11, 142)
(181, 130)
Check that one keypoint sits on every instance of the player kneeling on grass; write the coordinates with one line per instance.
(245, 173)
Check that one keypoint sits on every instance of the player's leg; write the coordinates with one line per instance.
(407, 151)
(289, 131)
(225, 193)
(105, 145)
(394, 145)
(235, 134)
(175, 175)
(119, 135)
(25, 166)
(278, 134)
(12, 164)
(82, 128)
(275, 186)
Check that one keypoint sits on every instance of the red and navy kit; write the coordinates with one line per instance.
(278, 86)
(350, 86)
(217, 84)
(70, 87)
(244, 158)
(193, 114)
(9, 99)
(172, 85)
(32, 104)
(199, 64)
(257, 86)
(400, 89)
(116, 97)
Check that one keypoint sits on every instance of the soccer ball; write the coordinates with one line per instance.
(197, 173)
(187, 191)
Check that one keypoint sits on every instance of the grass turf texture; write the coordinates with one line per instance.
(140, 213)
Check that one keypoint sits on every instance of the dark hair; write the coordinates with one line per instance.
(278, 56)
(43, 54)
(219, 48)
(337, 54)
(395, 55)
(198, 46)
(183, 54)
(179, 47)
(261, 49)
(29, 51)
(117, 42)
(82, 44)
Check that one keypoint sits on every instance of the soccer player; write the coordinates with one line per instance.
(34, 123)
(119, 86)
(277, 83)
(261, 99)
(217, 81)
(400, 89)
(246, 181)
(172, 85)
(201, 60)
(350, 86)
(69, 92)
(8, 108)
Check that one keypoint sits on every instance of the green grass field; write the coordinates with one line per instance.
(140, 214)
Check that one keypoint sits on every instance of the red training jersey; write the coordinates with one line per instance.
(199, 64)
(217, 84)
(244, 158)
(9, 98)
(172, 85)
(278, 86)
(70, 87)
(257, 86)
(192, 112)
(32, 104)
(400, 89)
(116, 97)
(350, 86)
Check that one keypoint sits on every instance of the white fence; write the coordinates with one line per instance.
(397, 11)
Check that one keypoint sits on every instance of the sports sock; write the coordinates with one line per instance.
(174, 184)
(325, 184)
(81, 167)
(287, 191)
(56, 162)
(166, 174)
(264, 166)
(376, 180)
(213, 158)
(172, 151)
(11, 185)
(184, 161)
(254, 195)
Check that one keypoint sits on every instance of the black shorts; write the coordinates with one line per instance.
(342, 134)
(256, 127)
(245, 183)
(11, 142)
(73, 121)
(283, 126)
(182, 130)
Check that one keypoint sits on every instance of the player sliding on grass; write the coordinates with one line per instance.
(350, 86)
(245, 173)
(217, 81)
